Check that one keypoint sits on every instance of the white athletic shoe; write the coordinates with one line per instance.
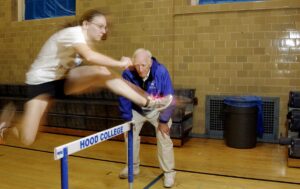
(159, 103)
(169, 179)
(7, 115)
(2, 129)
(124, 173)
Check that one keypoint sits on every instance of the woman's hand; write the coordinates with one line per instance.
(125, 62)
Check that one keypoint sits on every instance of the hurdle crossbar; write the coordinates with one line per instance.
(62, 152)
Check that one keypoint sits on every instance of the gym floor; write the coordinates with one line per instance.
(200, 163)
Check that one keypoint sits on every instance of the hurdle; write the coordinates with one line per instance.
(62, 152)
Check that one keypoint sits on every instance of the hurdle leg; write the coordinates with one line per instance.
(64, 170)
(62, 152)
(130, 156)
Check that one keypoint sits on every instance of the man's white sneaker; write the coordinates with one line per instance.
(124, 173)
(169, 179)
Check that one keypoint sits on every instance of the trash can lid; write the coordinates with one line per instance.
(243, 101)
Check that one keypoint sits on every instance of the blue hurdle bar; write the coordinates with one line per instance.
(62, 152)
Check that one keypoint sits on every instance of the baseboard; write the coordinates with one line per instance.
(293, 162)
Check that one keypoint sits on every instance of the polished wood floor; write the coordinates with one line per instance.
(200, 164)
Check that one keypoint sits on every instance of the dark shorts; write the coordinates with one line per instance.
(54, 89)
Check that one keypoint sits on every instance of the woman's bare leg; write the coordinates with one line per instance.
(34, 110)
(85, 78)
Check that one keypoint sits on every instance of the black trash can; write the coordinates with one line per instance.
(241, 121)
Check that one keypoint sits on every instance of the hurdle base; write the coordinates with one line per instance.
(77, 132)
(293, 162)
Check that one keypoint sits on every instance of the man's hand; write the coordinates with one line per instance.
(164, 129)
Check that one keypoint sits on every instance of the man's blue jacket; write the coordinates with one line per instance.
(158, 84)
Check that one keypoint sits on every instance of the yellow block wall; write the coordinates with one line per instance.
(238, 49)
(228, 49)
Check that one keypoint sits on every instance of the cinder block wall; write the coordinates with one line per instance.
(236, 49)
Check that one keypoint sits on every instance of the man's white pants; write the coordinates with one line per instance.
(165, 150)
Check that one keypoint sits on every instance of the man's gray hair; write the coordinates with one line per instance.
(139, 50)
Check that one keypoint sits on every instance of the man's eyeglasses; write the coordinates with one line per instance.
(143, 65)
(100, 26)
